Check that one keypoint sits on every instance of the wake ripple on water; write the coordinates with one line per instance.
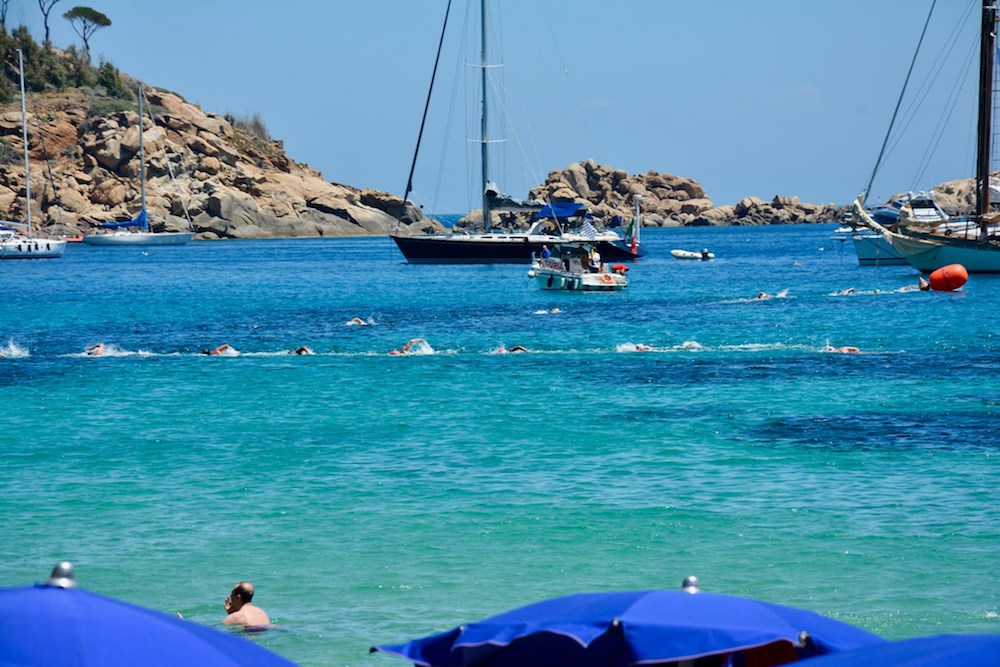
(14, 351)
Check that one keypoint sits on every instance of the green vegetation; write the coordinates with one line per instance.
(86, 22)
(254, 125)
(46, 68)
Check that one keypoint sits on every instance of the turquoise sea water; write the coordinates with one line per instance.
(373, 498)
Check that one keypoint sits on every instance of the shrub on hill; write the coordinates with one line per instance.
(254, 125)
(46, 68)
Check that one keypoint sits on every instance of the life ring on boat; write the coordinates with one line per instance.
(607, 279)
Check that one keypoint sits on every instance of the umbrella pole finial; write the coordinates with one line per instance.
(690, 585)
(63, 576)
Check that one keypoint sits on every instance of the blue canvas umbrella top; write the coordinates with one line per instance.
(47, 625)
(936, 651)
(651, 626)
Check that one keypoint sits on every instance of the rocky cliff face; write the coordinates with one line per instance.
(227, 182)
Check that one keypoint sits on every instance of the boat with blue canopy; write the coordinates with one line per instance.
(550, 222)
(137, 230)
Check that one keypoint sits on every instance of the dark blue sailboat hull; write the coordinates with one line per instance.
(493, 249)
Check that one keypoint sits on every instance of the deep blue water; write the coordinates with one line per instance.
(374, 498)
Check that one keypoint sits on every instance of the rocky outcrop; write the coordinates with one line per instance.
(227, 182)
(779, 211)
(668, 200)
(199, 167)
(957, 197)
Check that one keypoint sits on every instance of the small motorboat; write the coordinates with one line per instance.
(576, 266)
(704, 254)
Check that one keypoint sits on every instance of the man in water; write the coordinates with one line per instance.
(846, 349)
(224, 350)
(240, 608)
(410, 343)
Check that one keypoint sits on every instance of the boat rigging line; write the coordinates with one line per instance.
(881, 154)
(423, 119)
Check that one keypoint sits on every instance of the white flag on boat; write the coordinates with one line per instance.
(588, 230)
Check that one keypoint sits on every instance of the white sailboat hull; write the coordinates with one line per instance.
(32, 248)
(15, 244)
(138, 238)
(873, 249)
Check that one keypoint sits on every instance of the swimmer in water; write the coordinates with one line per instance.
(921, 285)
(95, 350)
(764, 296)
(224, 350)
(409, 344)
(515, 349)
(845, 349)
(355, 322)
(302, 350)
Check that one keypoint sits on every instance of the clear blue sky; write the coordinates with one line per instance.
(748, 97)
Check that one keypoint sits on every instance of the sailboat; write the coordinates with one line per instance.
(550, 223)
(136, 231)
(974, 244)
(13, 243)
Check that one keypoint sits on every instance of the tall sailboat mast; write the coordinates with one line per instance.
(986, 47)
(24, 131)
(142, 157)
(483, 137)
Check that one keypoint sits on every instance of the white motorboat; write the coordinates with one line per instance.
(703, 254)
(572, 266)
(870, 246)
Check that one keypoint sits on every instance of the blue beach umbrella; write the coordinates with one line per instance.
(937, 651)
(57, 624)
(636, 628)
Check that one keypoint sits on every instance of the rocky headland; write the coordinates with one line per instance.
(232, 182)
(229, 182)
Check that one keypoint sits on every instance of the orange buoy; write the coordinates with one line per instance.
(949, 278)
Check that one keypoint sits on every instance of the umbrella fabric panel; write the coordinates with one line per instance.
(636, 628)
(69, 627)
(936, 651)
(584, 617)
